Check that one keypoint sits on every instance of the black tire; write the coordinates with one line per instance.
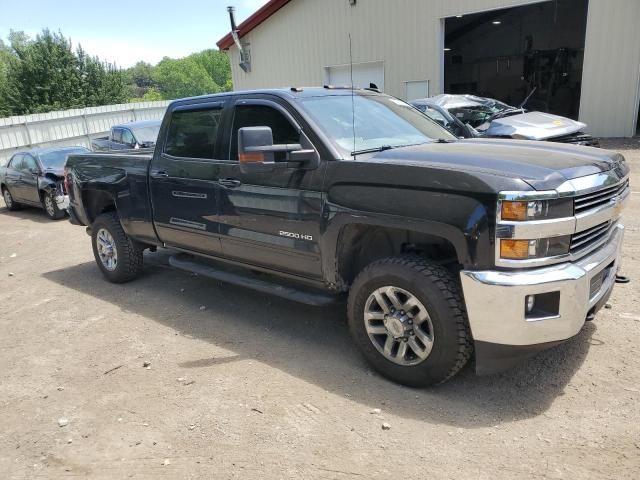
(129, 253)
(50, 206)
(437, 289)
(11, 205)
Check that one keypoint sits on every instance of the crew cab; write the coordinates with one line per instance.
(446, 248)
(127, 136)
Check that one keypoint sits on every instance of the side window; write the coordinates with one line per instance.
(262, 116)
(436, 116)
(127, 137)
(116, 135)
(193, 133)
(29, 163)
(16, 162)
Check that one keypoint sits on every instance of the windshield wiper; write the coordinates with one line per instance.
(381, 148)
(505, 112)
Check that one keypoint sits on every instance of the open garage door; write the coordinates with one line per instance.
(363, 75)
(506, 54)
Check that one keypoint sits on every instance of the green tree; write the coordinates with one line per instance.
(45, 76)
(217, 65)
(183, 78)
(5, 59)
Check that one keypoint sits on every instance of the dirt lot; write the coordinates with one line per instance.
(258, 387)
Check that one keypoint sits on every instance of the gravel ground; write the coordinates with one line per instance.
(243, 385)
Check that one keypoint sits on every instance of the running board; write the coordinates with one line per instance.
(183, 261)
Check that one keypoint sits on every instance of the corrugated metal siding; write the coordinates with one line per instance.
(295, 45)
(611, 72)
(70, 127)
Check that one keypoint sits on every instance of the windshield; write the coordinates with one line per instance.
(147, 134)
(476, 115)
(57, 159)
(380, 122)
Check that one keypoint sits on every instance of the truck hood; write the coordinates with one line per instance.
(531, 126)
(542, 165)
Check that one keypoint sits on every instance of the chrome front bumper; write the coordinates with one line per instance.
(495, 300)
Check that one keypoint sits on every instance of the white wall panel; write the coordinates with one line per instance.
(70, 127)
(295, 45)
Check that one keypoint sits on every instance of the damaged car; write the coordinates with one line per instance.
(35, 178)
(469, 116)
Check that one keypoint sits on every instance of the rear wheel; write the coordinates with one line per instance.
(8, 200)
(408, 318)
(51, 206)
(118, 256)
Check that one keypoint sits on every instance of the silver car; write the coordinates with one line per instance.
(473, 116)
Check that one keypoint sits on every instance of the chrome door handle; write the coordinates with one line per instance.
(159, 173)
(230, 182)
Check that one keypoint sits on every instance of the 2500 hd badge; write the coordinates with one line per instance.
(297, 236)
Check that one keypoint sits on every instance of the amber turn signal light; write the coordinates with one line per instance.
(514, 210)
(251, 157)
(514, 249)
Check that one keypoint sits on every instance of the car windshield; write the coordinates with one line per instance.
(58, 158)
(148, 134)
(476, 115)
(362, 123)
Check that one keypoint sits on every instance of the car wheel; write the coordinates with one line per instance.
(118, 256)
(408, 318)
(8, 200)
(51, 207)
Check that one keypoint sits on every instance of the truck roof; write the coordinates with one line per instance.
(291, 92)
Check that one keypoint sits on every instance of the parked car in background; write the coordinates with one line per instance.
(446, 247)
(133, 135)
(35, 178)
(469, 116)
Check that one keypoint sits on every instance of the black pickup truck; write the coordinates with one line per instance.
(447, 248)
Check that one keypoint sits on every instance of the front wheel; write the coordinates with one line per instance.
(51, 206)
(118, 256)
(408, 318)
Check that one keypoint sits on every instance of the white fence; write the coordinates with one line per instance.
(70, 127)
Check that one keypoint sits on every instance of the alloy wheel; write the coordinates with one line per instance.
(399, 325)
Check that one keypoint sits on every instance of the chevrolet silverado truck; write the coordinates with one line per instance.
(446, 248)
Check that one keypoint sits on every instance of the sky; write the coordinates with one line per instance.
(124, 32)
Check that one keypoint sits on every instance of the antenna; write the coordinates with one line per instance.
(353, 101)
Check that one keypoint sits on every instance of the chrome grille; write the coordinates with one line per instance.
(589, 201)
(589, 237)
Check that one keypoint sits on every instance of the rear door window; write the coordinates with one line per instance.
(193, 133)
(16, 162)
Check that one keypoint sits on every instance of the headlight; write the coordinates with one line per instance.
(539, 248)
(520, 211)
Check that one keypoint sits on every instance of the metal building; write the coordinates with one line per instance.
(581, 56)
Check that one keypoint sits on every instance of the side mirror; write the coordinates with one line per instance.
(256, 152)
(34, 171)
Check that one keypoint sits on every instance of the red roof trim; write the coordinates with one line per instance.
(252, 22)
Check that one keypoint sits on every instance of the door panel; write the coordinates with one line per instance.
(271, 219)
(184, 180)
(13, 176)
(30, 180)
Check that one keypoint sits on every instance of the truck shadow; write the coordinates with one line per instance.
(313, 344)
